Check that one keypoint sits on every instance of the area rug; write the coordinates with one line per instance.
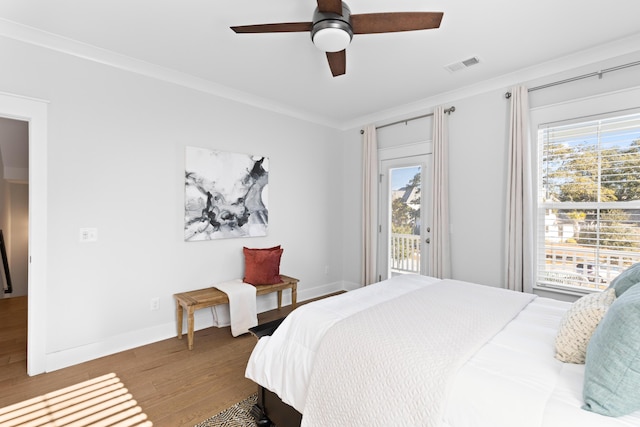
(239, 415)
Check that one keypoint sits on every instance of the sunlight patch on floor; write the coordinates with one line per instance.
(102, 401)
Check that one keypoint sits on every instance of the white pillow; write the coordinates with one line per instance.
(578, 324)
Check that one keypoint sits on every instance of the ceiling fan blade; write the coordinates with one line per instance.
(284, 27)
(330, 6)
(337, 62)
(372, 23)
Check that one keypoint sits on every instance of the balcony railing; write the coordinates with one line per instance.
(583, 267)
(405, 253)
(566, 265)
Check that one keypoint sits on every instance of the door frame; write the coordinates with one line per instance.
(34, 111)
(404, 155)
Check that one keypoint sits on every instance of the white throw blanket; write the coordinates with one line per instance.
(283, 362)
(393, 364)
(241, 312)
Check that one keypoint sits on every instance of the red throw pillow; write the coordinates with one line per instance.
(262, 266)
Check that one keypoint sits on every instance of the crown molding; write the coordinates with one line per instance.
(44, 39)
(576, 60)
(37, 37)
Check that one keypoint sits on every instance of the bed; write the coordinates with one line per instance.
(419, 351)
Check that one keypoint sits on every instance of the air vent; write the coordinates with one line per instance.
(462, 64)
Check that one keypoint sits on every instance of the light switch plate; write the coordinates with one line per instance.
(88, 235)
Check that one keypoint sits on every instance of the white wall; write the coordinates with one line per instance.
(116, 162)
(351, 217)
(478, 158)
(478, 135)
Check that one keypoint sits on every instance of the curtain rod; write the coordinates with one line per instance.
(584, 76)
(447, 110)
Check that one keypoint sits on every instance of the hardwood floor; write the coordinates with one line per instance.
(173, 386)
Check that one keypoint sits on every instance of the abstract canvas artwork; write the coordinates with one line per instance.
(225, 195)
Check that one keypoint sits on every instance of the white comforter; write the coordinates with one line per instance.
(511, 381)
(283, 361)
(393, 364)
(514, 380)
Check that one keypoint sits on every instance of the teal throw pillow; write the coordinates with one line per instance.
(626, 279)
(612, 371)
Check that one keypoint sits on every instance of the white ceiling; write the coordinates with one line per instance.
(286, 72)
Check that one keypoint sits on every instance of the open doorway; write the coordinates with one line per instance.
(14, 235)
(14, 205)
(34, 113)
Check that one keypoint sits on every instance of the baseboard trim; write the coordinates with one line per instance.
(202, 319)
(115, 344)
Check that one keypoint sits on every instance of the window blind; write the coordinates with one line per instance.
(588, 201)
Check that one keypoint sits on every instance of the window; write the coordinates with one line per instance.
(588, 201)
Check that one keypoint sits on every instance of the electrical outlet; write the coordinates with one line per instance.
(155, 304)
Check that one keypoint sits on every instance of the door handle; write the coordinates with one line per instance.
(428, 240)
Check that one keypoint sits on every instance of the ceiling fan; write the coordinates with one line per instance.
(333, 27)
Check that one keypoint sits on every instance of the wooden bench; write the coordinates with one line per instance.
(209, 297)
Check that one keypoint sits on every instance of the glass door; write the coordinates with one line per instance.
(403, 202)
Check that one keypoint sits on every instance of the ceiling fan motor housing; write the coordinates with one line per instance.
(332, 32)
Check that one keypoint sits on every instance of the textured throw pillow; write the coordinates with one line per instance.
(626, 279)
(578, 325)
(262, 266)
(612, 370)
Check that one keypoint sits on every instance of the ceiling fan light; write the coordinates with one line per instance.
(331, 39)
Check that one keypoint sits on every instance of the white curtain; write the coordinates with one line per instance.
(440, 253)
(519, 220)
(369, 206)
